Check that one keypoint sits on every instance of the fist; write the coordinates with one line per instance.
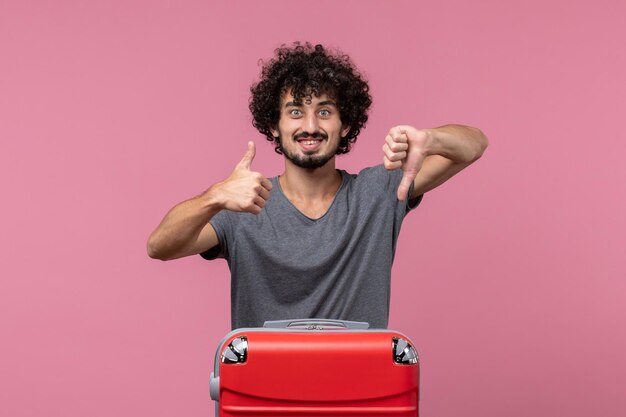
(405, 148)
(245, 190)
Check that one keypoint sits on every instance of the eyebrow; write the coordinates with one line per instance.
(321, 103)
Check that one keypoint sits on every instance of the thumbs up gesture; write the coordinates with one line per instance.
(405, 148)
(245, 190)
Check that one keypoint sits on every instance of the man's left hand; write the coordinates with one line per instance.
(406, 148)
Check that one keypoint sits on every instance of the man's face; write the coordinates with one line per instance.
(310, 131)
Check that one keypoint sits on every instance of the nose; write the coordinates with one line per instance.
(310, 123)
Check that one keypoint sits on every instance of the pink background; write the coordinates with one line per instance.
(510, 279)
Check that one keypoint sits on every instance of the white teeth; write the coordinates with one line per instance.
(309, 142)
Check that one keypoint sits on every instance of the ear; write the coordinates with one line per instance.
(344, 131)
(274, 132)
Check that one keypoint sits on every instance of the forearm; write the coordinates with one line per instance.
(180, 228)
(429, 157)
(458, 143)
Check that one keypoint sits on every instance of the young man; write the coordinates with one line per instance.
(314, 241)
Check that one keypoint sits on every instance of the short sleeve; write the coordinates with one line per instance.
(222, 225)
(389, 181)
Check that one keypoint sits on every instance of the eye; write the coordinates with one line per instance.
(324, 113)
(295, 113)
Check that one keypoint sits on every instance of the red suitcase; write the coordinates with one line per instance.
(315, 368)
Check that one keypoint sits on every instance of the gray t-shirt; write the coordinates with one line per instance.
(285, 265)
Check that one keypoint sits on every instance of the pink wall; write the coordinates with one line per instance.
(510, 279)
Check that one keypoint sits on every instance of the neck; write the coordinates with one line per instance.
(310, 184)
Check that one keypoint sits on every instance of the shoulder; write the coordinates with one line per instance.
(377, 176)
(381, 182)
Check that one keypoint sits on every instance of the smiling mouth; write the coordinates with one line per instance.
(309, 141)
(310, 145)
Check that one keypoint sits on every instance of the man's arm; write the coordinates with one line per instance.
(185, 230)
(430, 157)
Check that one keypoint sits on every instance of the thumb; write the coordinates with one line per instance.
(405, 184)
(247, 159)
(410, 168)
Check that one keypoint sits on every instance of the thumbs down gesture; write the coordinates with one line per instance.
(406, 148)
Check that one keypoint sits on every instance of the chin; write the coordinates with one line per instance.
(309, 161)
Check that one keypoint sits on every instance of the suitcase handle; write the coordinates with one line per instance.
(316, 324)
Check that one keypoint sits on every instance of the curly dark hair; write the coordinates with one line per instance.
(310, 70)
